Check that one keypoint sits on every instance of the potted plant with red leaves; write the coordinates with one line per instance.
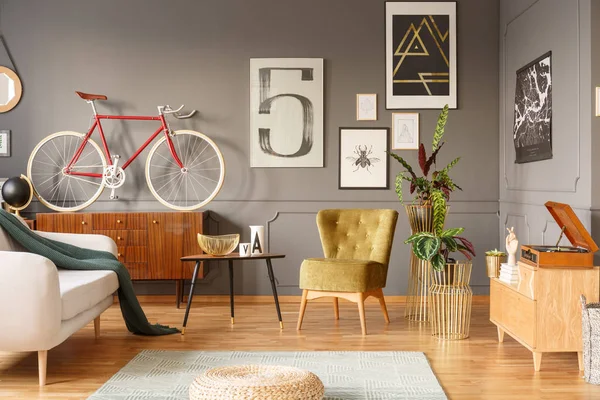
(427, 213)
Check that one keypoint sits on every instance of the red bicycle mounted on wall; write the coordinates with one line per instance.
(184, 169)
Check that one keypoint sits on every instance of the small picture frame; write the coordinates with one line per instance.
(405, 131)
(366, 107)
(597, 101)
(4, 143)
(363, 162)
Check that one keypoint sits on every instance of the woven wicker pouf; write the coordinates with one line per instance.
(254, 382)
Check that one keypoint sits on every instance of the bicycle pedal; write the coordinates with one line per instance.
(114, 197)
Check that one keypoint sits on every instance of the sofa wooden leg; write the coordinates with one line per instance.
(361, 311)
(302, 309)
(336, 308)
(42, 363)
(537, 361)
(97, 327)
(580, 360)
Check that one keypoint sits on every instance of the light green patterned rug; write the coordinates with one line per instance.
(347, 375)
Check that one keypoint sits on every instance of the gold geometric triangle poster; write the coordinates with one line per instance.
(420, 55)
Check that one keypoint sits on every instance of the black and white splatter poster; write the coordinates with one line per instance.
(532, 130)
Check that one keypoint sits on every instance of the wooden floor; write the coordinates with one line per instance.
(476, 368)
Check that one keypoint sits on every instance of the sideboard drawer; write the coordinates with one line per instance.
(133, 254)
(109, 221)
(517, 313)
(138, 270)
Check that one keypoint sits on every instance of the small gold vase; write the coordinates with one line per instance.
(493, 265)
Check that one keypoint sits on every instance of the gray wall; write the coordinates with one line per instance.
(528, 29)
(595, 81)
(145, 53)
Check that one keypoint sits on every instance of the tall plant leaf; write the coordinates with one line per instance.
(426, 247)
(439, 210)
(403, 162)
(450, 243)
(438, 262)
(399, 179)
(417, 235)
(431, 159)
(423, 159)
(439, 129)
(452, 232)
(449, 167)
(467, 244)
(464, 251)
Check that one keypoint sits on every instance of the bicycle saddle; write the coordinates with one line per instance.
(89, 96)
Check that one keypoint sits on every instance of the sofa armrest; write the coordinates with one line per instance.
(92, 242)
(30, 303)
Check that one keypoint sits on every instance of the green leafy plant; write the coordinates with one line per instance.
(431, 190)
(437, 248)
(495, 253)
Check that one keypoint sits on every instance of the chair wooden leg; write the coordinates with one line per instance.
(383, 306)
(336, 308)
(97, 327)
(361, 311)
(302, 309)
(42, 363)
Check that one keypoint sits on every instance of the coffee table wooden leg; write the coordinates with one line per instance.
(231, 290)
(189, 303)
(274, 288)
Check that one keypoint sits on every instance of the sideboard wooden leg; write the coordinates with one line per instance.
(500, 335)
(580, 360)
(537, 360)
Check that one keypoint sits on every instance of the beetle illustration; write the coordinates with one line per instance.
(363, 160)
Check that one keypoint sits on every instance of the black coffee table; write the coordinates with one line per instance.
(231, 258)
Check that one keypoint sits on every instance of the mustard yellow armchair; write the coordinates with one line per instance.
(357, 245)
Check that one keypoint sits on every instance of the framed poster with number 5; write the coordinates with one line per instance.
(286, 112)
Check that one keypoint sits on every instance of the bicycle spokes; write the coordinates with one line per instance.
(65, 189)
(197, 182)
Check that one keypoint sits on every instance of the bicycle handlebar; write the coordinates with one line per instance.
(168, 110)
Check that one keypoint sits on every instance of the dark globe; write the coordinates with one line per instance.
(16, 192)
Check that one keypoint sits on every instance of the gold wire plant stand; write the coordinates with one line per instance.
(420, 219)
(450, 301)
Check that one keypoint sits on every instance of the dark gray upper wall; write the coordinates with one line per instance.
(528, 29)
(143, 53)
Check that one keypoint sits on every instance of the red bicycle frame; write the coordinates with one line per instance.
(97, 118)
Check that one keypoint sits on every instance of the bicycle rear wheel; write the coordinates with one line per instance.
(196, 184)
(55, 188)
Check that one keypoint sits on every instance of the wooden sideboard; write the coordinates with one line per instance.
(149, 244)
(543, 311)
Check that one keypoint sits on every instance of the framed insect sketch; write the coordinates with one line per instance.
(363, 158)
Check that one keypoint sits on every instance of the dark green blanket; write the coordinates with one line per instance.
(67, 256)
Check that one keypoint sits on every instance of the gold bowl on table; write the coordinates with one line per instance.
(218, 245)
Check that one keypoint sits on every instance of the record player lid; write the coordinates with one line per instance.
(574, 230)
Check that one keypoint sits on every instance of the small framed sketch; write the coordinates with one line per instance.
(597, 101)
(363, 158)
(405, 131)
(4, 143)
(366, 107)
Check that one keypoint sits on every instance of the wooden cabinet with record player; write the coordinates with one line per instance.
(149, 244)
(542, 311)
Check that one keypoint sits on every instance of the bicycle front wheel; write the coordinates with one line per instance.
(53, 185)
(192, 186)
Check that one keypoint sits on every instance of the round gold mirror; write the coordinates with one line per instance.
(10, 89)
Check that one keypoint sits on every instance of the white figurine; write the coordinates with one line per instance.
(512, 244)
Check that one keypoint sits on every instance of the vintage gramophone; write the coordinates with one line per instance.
(579, 255)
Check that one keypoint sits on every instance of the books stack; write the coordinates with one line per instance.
(509, 274)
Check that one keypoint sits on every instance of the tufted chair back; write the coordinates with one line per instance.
(357, 234)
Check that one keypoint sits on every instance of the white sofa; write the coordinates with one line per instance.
(40, 305)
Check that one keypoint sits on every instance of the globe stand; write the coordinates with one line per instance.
(21, 207)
